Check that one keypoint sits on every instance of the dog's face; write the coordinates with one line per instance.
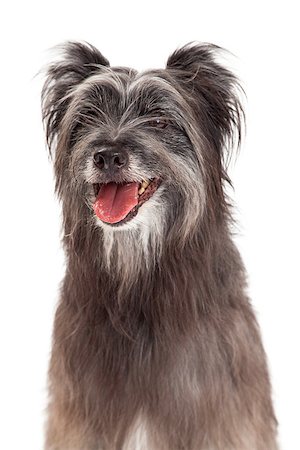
(131, 155)
(141, 152)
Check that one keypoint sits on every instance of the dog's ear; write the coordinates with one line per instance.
(213, 90)
(80, 60)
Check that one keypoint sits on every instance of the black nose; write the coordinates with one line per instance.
(111, 160)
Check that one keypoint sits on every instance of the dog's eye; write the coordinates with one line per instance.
(158, 123)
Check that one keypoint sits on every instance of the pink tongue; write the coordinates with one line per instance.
(115, 201)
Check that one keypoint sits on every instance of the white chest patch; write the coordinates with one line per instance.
(138, 438)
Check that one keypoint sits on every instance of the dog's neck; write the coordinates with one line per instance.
(129, 290)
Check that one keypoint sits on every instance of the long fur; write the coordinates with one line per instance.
(155, 344)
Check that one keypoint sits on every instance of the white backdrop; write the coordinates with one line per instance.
(264, 37)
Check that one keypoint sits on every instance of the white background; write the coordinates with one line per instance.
(263, 35)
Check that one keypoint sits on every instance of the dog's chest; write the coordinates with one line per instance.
(138, 437)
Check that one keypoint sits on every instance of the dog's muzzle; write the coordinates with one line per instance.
(118, 202)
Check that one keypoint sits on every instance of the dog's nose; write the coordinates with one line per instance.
(111, 160)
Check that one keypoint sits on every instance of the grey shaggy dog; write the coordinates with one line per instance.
(155, 344)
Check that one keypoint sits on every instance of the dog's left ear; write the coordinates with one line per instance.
(213, 91)
(79, 62)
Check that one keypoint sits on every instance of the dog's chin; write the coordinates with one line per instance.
(140, 208)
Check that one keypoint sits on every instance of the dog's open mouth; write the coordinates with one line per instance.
(117, 203)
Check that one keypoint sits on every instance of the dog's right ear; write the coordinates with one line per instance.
(80, 61)
(215, 90)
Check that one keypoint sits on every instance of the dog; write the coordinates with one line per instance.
(155, 344)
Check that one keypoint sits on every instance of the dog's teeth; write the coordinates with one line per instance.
(145, 184)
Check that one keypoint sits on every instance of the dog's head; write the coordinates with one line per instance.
(141, 154)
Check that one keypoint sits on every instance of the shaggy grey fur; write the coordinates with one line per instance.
(155, 344)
